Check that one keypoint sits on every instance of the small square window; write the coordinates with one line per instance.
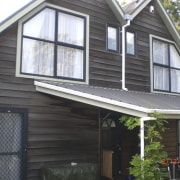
(112, 38)
(130, 43)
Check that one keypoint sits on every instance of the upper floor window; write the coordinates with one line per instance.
(130, 43)
(54, 45)
(166, 66)
(112, 38)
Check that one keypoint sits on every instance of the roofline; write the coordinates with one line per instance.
(102, 102)
(19, 14)
(121, 16)
(117, 10)
(140, 8)
(168, 22)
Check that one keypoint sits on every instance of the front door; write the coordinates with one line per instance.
(12, 145)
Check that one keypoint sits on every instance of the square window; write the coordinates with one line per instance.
(37, 57)
(70, 29)
(69, 62)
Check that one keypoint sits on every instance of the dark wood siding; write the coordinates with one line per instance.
(55, 133)
(170, 139)
(105, 67)
(138, 66)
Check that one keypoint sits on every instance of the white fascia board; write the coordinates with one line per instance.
(168, 22)
(139, 9)
(117, 10)
(91, 99)
(103, 102)
(18, 15)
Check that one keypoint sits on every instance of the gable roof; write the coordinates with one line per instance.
(130, 11)
(121, 15)
(139, 104)
(19, 14)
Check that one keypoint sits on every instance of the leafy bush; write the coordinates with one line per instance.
(147, 168)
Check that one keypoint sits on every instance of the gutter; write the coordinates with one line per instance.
(103, 102)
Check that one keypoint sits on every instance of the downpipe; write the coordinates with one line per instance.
(124, 54)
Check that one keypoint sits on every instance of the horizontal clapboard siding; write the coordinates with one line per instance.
(55, 134)
(170, 139)
(105, 67)
(58, 130)
(138, 67)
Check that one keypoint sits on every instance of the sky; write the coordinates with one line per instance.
(8, 7)
(127, 1)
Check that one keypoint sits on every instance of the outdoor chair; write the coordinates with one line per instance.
(164, 171)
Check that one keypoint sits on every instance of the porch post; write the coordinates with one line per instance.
(142, 120)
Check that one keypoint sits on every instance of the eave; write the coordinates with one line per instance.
(101, 101)
(19, 14)
(117, 10)
(168, 22)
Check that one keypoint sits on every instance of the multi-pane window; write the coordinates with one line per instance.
(130, 43)
(112, 38)
(166, 66)
(54, 45)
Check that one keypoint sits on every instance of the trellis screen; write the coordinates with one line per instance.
(10, 146)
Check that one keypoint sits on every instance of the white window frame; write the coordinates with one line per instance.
(151, 37)
(19, 44)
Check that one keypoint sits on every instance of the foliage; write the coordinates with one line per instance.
(173, 9)
(147, 169)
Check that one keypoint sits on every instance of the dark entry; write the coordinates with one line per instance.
(12, 145)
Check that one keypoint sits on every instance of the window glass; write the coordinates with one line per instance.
(175, 80)
(37, 57)
(174, 57)
(54, 45)
(112, 38)
(71, 29)
(70, 62)
(166, 66)
(130, 43)
(160, 52)
(41, 25)
(161, 78)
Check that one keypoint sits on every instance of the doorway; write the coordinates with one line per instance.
(118, 145)
(12, 144)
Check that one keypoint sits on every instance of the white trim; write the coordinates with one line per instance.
(19, 14)
(140, 8)
(19, 41)
(116, 9)
(106, 103)
(151, 62)
(168, 22)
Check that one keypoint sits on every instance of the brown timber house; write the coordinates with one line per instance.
(69, 69)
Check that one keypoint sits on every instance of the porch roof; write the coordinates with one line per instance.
(135, 103)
